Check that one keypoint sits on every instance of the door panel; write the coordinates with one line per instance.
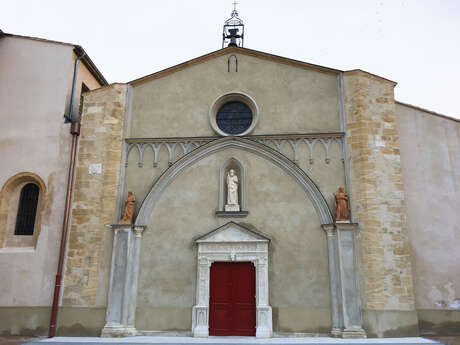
(232, 299)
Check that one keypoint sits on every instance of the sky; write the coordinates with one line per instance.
(413, 42)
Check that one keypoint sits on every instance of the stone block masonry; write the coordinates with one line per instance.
(378, 203)
(95, 191)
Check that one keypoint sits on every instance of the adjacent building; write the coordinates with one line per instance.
(39, 82)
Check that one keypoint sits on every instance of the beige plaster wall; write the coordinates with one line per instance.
(430, 160)
(298, 260)
(290, 99)
(35, 84)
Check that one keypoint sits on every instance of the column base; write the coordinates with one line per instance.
(354, 333)
(263, 332)
(200, 328)
(264, 327)
(201, 332)
(118, 331)
(336, 332)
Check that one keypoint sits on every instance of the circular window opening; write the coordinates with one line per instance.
(234, 117)
(234, 113)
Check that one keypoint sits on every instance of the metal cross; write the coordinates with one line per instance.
(234, 5)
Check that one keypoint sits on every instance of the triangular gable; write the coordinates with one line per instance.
(230, 50)
(232, 232)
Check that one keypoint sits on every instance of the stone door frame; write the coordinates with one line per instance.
(232, 243)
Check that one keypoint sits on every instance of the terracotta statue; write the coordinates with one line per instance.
(128, 213)
(342, 206)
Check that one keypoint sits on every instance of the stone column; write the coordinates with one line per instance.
(349, 286)
(124, 272)
(200, 312)
(334, 277)
(264, 327)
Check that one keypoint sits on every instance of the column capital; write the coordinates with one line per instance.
(138, 230)
(346, 226)
(135, 228)
(329, 229)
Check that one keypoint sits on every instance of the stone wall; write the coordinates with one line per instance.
(95, 195)
(377, 192)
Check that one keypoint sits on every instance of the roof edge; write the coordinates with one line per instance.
(102, 88)
(77, 49)
(39, 39)
(428, 111)
(90, 65)
(370, 75)
(228, 50)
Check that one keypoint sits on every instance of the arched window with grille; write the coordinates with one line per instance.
(27, 210)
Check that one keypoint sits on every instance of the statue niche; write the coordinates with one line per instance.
(231, 188)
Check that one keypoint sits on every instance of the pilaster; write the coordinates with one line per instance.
(344, 285)
(124, 273)
(334, 278)
(350, 291)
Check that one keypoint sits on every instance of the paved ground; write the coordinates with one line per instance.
(216, 340)
(12, 340)
(450, 340)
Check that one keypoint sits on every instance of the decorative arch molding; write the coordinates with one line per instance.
(261, 150)
(9, 195)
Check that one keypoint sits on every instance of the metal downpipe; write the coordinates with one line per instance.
(75, 131)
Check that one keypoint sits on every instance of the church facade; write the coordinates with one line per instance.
(243, 193)
(234, 159)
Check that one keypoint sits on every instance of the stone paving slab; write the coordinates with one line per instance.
(230, 340)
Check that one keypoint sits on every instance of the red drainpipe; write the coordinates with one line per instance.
(75, 131)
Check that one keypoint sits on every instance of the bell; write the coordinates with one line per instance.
(233, 36)
(233, 31)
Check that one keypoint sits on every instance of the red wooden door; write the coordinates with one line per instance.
(232, 301)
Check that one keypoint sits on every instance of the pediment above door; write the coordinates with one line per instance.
(232, 232)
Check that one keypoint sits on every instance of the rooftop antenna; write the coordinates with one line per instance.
(233, 31)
